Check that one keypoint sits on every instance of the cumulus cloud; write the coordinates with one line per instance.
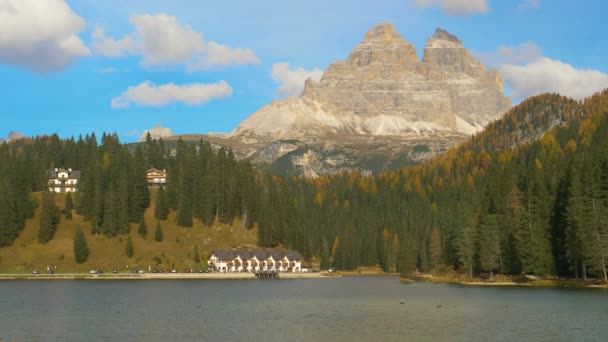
(111, 47)
(456, 7)
(527, 73)
(505, 54)
(291, 81)
(148, 94)
(219, 55)
(40, 35)
(161, 40)
(157, 132)
(548, 75)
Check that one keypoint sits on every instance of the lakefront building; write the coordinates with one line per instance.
(255, 261)
(156, 177)
(63, 180)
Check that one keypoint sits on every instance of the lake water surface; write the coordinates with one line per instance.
(336, 309)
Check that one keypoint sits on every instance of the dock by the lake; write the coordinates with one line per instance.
(168, 276)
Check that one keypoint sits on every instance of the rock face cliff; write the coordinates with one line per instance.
(383, 100)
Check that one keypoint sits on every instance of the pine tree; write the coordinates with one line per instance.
(129, 247)
(465, 240)
(161, 212)
(488, 244)
(69, 206)
(142, 230)
(324, 256)
(141, 194)
(195, 255)
(81, 248)
(49, 218)
(435, 248)
(158, 233)
(532, 242)
(394, 252)
(408, 256)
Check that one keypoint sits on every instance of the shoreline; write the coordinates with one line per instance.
(505, 281)
(157, 276)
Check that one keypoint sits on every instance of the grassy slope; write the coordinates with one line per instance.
(177, 246)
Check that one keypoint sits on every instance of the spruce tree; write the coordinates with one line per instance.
(407, 262)
(69, 206)
(129, 247)
(142, 230)
(81, 248)
(140, 192)
(161, 211)
(435, 248)
(195, 255)
(324, 256)
(158, 233)
(49, 218)
(464, 241)
(488, 243)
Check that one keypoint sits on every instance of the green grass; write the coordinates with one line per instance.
(176, 249)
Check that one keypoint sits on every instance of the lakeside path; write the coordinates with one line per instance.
(146, 276)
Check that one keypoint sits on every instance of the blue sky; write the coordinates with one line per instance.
(62, 63)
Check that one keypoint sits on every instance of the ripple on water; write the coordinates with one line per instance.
(339, 309)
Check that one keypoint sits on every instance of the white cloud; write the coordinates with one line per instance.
(110, 47)
(219, 55)
(456, 7)
(164, 41)
(529, 4)
(523, 53)
(148, 94)
(505, 54)
(156, 132)
(107, 70)
(40, 35)
(548, 75)
(291, 81)
(161, 40)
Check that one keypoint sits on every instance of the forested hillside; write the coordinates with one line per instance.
(502, 202)
(113, 192)
(513, 199)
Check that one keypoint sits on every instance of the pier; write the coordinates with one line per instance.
(267, 275)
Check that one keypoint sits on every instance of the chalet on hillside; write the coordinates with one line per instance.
(255, 261)
(156, 177)
(63, 180)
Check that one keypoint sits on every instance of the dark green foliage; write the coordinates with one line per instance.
(140, 197)
(195, 255)
(482, 207)
(81, 248)
(505, 201)
(129, 247)
(161, 211)
(69, 206)
(49, 218)
(324, 256)
(158, 233)
(142, 229)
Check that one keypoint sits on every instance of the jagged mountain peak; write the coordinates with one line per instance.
(383, 44)
(381, 93)
(444, 36)
(383, 33)
(13, 136)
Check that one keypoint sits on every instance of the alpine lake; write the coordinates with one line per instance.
(357, 308)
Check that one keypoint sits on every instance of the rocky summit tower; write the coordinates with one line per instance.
(381, 97)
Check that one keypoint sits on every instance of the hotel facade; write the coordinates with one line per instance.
(255, 261)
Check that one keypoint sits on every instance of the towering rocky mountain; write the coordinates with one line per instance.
(380, 108)
(13, 136)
